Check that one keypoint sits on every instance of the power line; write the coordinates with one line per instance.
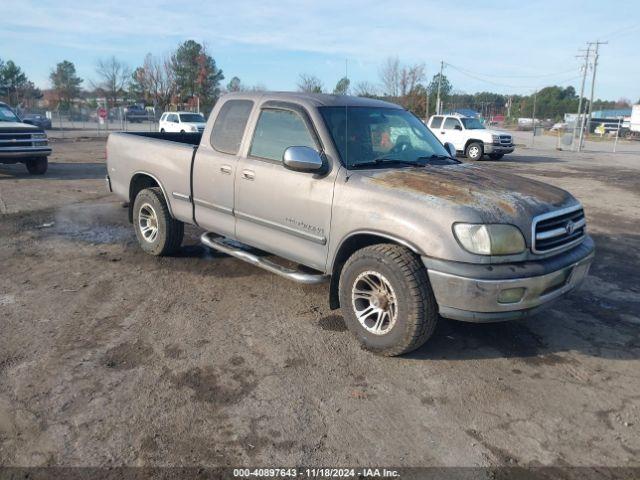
(512, 76)
(505, 84)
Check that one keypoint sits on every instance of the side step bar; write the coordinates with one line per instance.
(219, 243)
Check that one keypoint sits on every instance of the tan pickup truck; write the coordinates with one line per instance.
(360, 193)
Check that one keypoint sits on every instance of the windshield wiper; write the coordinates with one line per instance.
(389, 161)
(437, 156)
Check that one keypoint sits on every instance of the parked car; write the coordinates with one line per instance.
(136, 114)
(559, 126)
(605, 128)
(182, 122)
(470, 137)
(358, 192)
(22, 143)
(37, 120)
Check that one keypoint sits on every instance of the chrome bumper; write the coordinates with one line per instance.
(479, 300)
(491, 148)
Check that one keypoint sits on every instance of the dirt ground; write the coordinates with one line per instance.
(112, 357)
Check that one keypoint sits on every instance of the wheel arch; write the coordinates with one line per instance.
(472, 140)
(139, 181)
(349, 245)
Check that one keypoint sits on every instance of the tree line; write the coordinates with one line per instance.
(189, 77)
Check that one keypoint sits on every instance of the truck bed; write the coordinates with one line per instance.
(165, 157)
(188, 138)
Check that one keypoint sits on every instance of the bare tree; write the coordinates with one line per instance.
(400, 80)
(410, 77)
(114, 75)
(390, 76)
(309, 83)
(157, 80)
(365, 89)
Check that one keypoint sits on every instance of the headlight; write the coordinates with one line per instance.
(194, 128)
(491, 239)
(495, 138)
(38, 135)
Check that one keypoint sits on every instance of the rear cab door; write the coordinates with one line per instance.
(435, 125)
(452, 132)
(216, 165)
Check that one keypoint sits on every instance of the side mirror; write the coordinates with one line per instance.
(302, 159)
(457, 127)
(451, 149)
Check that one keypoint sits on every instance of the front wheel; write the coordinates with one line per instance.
(496, 156)
(474, 151)
(157, 231)
(37, 166)
(387, 300)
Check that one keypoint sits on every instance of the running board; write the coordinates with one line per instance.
(224, 246)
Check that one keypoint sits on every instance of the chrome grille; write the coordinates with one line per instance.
(505, 139)
(15, 139)
(558, 230)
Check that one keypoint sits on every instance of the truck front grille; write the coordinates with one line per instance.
(12, 139)
(558, 230)
(505, 140)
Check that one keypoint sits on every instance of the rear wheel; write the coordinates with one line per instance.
(496, 156)
(387, 300)
(474, 151)
(162, 130)
(157, 231)
(37, 166)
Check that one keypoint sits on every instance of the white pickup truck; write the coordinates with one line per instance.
(470, 137)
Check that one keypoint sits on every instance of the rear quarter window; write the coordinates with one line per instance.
(436, 122)
(230, 124)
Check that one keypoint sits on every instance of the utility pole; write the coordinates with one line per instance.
(578, 120)
(439, 85)
(593, 83)
(533, 118)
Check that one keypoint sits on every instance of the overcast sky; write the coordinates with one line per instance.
(504, 46)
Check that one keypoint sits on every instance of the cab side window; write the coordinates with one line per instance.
(278, 130)
(451, 122)
(228, 130)
(436, 122)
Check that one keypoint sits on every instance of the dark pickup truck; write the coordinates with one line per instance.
(22, 143)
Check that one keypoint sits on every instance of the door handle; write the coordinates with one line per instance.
(226, 169)
(248, 174)
(443, 133)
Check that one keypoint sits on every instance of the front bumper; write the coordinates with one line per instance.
(12, 154)
(473, 293)
(504, 149)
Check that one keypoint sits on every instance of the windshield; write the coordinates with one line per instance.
(472, 124)
(7, 115)
(192, 118)
(366, 136)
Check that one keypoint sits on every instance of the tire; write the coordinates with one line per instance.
(158, 233)
(37, 166)
(181, 131)
(496, 156)
(416, 311)
(474, 151)
(162, 130)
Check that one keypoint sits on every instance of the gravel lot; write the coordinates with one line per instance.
(111, 357)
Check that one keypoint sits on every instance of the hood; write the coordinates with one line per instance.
(15, 125)
(488, 196)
